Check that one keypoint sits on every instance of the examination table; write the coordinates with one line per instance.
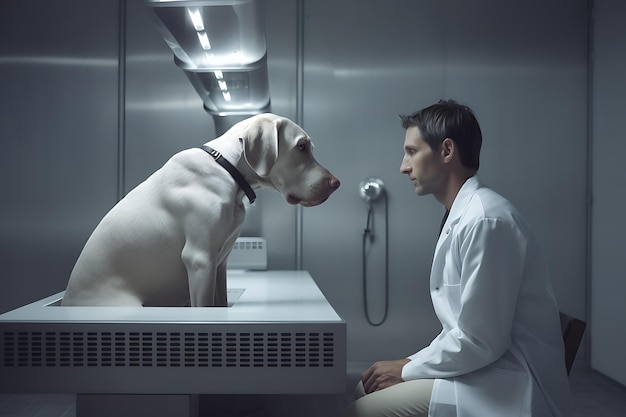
(279, 335)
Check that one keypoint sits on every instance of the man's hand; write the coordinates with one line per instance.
(382, 375)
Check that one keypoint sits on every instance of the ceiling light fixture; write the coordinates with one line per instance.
(220, 45)
(196, 19)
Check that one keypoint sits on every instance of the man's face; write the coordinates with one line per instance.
(421, 163)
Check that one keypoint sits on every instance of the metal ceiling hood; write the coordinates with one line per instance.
(220, 45)
(233, 93)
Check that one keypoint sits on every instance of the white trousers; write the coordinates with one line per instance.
(406, 399)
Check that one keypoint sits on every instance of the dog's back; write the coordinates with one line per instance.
(133, 257)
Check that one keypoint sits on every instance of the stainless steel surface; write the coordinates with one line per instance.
(280, 329)
(371, 189)
(224, 34)
(220, 46)
(235, 92)
(607, 286)
(58, 126)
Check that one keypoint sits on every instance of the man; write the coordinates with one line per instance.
(500, 352)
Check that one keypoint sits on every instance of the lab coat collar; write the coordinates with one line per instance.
(460, 203)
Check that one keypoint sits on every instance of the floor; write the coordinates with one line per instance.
(594, 395)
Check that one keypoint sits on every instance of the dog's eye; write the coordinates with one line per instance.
(302, 146)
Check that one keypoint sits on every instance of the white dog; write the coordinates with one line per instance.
(166, 243)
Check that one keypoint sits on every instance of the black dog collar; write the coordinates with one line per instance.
(232, 171)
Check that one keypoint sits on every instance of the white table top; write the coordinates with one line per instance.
(268, 296)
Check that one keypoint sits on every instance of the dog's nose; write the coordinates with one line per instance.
(334, 183)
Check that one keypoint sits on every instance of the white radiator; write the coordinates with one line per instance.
(249, 253)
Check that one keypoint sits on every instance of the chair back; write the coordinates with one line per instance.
(573, 330)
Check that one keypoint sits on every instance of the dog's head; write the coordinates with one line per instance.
(281, 154)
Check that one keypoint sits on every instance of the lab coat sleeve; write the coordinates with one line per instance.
(491, 256)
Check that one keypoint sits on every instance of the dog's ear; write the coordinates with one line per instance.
(260, 145)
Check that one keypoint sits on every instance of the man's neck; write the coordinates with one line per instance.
(453, 186)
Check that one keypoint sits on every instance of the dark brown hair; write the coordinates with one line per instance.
(449, 119)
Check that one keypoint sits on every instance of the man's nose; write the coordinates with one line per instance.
(404, 167)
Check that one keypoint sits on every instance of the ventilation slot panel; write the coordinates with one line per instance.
(168, 349)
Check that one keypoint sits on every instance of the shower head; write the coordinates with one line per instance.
(371, 189)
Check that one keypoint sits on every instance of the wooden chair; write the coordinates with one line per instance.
(573, 330)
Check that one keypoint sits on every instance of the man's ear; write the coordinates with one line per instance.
(448, 149)
(260, 145)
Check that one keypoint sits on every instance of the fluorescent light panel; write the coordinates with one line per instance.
(204, 40)
(196, 19)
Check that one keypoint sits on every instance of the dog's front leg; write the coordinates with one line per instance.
(221, 294)
(201, 276)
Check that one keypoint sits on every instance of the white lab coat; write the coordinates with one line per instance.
(500, 352)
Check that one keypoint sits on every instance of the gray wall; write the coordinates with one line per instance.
(608, 283)
(529, 90)
(58, 129)
(72, 144)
